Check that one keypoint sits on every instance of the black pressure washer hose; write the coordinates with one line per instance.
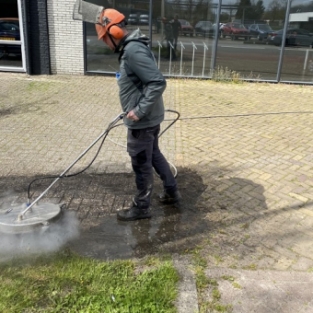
(119, 117)
(62, 175)
(104, 135)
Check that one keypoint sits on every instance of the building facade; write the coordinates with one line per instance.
(41, 37)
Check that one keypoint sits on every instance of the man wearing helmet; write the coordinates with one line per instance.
(141, 86)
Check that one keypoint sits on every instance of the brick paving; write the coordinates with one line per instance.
(243, 151)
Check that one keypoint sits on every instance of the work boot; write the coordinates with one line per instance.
(170, 198)
(133, 213)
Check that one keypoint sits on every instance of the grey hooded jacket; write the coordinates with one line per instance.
(141, 83)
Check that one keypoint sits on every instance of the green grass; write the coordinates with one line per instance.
(70, 283)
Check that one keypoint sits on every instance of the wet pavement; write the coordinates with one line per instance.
(96, 197)
(244, 158)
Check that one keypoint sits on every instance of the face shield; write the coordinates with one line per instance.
(87, 12)
(108, 40)
(103, 19)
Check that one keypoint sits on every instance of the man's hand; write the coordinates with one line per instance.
(132, 116)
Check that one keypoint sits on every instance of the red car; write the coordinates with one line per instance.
(235, 31)
(186, 28)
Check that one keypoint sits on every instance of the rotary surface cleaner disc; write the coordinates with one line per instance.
(36, 217)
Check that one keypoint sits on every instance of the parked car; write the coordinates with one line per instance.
(260, 31)
(235, 31)
(186, 28)
(144, 19)
(9, 31)
(294, 37)
(132, 19)
(204, 28)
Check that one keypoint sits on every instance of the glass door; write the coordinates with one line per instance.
(12, 52)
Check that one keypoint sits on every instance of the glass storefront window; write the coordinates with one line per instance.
(195, 38)
(243, 48)
(11, 39)
(188, 53)
(297, 62)
(217, 38)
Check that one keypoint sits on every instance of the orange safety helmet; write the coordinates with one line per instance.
(108, 21)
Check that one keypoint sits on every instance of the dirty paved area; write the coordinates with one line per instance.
(96, 197)
(244, 154)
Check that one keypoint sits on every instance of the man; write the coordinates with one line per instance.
(141, 87)
(169, 38)
(176, 26)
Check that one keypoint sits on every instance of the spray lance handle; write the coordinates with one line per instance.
(119, 117)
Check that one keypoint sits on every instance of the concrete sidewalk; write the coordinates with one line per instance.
(244, 154)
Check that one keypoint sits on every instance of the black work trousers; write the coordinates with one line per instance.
(143, 148)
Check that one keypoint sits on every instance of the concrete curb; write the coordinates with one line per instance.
(187, 300)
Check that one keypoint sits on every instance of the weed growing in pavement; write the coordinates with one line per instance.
(214, 304)
(245, 226)
(255, 78)
(224, 74)
(229, 278)
(66, 282)
(236, 285)
(251, 267)
(218, 259)
(206, 285)
(38, 86)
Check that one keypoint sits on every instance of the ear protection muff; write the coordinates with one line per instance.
(116, 32)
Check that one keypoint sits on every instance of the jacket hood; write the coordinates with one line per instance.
(136, 35)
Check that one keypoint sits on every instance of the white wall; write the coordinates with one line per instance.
(66, 38)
